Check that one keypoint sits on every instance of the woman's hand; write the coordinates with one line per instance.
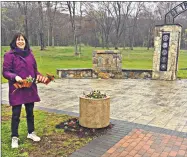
(41, 78)
(18, 79)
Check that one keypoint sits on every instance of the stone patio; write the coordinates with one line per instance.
(149, 102)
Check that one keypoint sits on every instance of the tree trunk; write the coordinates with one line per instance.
(124, 43)
(131, 47)
(148, 40)
(102, 40)
(132, 36)
(116, 43)
(23, 10)
(71, 8)
(41, 26)
(53, 42)
(80, 44)
(49, 23)
(106, 41)
(75, 44)
(50, 20)
(26, 27)
(48, 38)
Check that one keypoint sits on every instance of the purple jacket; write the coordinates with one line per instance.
(17, 65)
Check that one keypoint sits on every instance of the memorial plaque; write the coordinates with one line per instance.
(164, 51)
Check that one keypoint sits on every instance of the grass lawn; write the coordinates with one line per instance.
(63, 57)
(54, 142)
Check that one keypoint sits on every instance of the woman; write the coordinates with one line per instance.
(18, 64)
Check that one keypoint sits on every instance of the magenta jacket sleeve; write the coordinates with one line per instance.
(8, 67)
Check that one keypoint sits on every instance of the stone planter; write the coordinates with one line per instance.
(94, 113)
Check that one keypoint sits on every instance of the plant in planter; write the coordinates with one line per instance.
(25, 83)
(94, 117)
(96, 94)
(94, 109)
(28, 81)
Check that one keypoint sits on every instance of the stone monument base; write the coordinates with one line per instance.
(164, 75)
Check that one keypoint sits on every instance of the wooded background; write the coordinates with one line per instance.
(97, 24)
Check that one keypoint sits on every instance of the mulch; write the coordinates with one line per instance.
(72, 126)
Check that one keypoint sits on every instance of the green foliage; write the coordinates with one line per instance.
(29, 79)
(95, 95)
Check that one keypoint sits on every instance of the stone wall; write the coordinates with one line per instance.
(170, 60)
(75, 73)
(90, 74)
(137, 74)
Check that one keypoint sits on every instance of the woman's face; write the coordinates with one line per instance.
(20, 42)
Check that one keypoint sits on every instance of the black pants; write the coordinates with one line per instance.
(16, 111)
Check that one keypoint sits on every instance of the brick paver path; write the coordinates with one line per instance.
(148, 144)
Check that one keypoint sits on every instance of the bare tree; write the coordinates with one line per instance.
(96, 24)
(117, 6)
(41, 26)
(4, 20)
(162, 8)
(185, 39)
(11, 21)
(120, 13)
(23, 6)
(127, 11)
(33, 14)
(139, 7)
(51, 19)
(71, 9)
(149, 16)
(80, 25)
(107, 26)
(102, 17)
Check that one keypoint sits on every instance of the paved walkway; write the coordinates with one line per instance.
(149, 102)
(148, 144)
(128, 139)
(156, 110)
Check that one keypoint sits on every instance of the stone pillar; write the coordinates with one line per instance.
(166, 52)
(107, 63)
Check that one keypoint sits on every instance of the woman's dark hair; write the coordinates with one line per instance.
(13, 43)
